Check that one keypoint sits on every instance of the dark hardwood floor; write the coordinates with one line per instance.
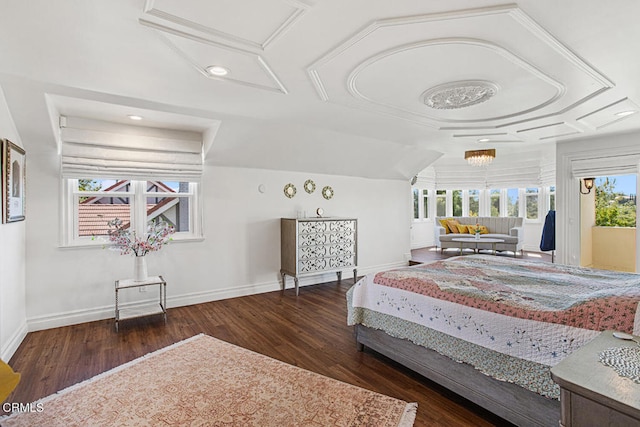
(308, 331)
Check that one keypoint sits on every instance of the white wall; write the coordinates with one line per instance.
(241, 251)
(13, 326)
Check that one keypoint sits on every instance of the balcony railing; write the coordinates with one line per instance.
(614, 248)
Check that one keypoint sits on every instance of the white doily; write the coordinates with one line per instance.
(624, 360)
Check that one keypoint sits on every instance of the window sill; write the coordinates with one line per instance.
(105, 245)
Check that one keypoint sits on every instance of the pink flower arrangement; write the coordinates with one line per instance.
(127, 242)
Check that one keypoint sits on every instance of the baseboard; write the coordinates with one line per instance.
(422, 244)
(10, 347)
(57, 320)
(382, 267)
(93, 314)
(220, 294)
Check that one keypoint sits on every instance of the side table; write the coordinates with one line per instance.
(145, 310)
(592, 394)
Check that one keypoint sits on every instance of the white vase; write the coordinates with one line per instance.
(477, 236)
(140, 269)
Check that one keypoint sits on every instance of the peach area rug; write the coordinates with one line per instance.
(203, 381)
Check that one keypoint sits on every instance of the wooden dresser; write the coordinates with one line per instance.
(310, 246)
(592, 394)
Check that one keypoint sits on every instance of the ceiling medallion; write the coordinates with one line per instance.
(460, 94)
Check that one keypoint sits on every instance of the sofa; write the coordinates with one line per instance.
(509, 229)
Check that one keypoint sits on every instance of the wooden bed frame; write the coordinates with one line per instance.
(509, 401)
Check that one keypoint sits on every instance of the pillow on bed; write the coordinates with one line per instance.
(443, 222)
(453, 225)
(463, 229)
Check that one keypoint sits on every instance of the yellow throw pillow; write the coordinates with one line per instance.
(463, 229)
(443, 222)
(8, 380)
(484, 230)
(453, 225)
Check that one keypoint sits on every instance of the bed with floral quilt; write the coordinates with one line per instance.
(490, 328)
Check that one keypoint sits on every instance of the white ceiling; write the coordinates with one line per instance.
(327, 86)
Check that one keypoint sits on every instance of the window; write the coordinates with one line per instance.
(513, 209)
(514, 202)
(495, 202)
(92, 203)
(170, 201)
(615, 201)
(474, 202)
(531, 203)
(441, 202)
(552, 198)
(425, 203)
(457, 202)
(420, 203)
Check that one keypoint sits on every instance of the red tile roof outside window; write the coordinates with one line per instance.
(93, 216)
(93, 219)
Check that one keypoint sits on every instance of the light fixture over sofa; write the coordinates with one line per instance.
(480, 157)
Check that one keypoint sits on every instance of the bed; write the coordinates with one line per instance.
(490, 328)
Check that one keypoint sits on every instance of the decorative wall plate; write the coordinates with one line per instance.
(327, 192)
(309, 186)
(290, 190)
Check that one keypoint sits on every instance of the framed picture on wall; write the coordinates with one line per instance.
(13, 182)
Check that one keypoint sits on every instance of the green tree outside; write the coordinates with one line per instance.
(88, 185)
(441, 202)
(495, 202)
(474, 202)
(512, 202)
(457, 202)
(613, 209)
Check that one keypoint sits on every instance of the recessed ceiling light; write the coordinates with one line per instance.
(134, 117)
(217, 70)
(626, 113)
(484, 140)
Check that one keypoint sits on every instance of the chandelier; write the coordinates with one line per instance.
(480, 157)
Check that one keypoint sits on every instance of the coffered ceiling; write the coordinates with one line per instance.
(360, 87)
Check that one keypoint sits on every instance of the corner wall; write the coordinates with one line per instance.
(13, 325)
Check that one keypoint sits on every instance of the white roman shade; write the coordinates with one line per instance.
(426, 178)
(606, 165)
(521, 174)
(95, 149)
(450, 178)
(548, 173)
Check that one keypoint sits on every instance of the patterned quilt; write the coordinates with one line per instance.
(535, 311)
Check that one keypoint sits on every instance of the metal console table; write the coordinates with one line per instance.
(145, 310)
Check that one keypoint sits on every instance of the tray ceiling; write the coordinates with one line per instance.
(535, 79)
(398, 84)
